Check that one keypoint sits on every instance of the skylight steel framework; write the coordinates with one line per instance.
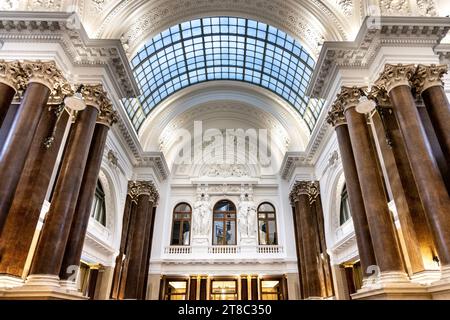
(222, 48)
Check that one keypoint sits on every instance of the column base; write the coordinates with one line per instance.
(440, 290)
(426, 277)
(391, 286)
(40, 287)
(8, 281)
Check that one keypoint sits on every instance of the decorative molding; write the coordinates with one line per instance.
(225, 170)
(290, 162)
(157, 161)
(65, 28)
(359, 54)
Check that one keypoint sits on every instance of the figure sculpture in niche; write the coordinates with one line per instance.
(242, 217)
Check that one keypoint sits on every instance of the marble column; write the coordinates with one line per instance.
(124, 240)
(145, 193)
(42, 77)
(298, 241)
(428, 82)
(31, 190)
(148, 251)
(105, 119)
(312, 286)
(396, 80)
(363, 239)
(387, 252)
(55, 233)
(11, 79)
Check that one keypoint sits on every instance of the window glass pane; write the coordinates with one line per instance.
(186, 232)
(272, 233)
(272, 58)
(231, 233)
(262, 232)
(218, 233)
(266, 207)
(176, 233)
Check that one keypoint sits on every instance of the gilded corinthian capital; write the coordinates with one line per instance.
(349, 97)
(429, 76)
(107, 115)
(395, 75)
(309, 188)
(336, 115)
(44, 72)
(94, 95)
(137, 188)
(12, 74)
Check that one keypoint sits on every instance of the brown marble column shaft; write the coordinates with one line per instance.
(299, 248)
(428, 82)
(387, 252)
(146, 252)
(83, 208)
(118, 268)
(50, 250)
(43, 76)
(308, 231)
(6, 97)
(362, 232)
(31, 190)
(430, 183)
(132, 288)
(18, 142)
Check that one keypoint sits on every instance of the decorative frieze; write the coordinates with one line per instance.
(137, 188)
(395, 75)
(429, 76)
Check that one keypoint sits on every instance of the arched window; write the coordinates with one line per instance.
(345, 213)
(224, 223)
(98, 211)
(181, 228)
(267, 224)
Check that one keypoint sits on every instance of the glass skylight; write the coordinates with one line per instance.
(222, 48)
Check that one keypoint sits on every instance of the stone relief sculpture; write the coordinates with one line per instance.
(202, 214)
(243, 217)
(247, 220)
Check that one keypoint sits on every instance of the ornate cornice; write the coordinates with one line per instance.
(107, 116)
(12, 74)
(395, 75)
(46, 73)
(65, 28)
(94, 95)
(138, 188)
(429, 76)
(336, 115)
(359, 54)
(309, 188)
